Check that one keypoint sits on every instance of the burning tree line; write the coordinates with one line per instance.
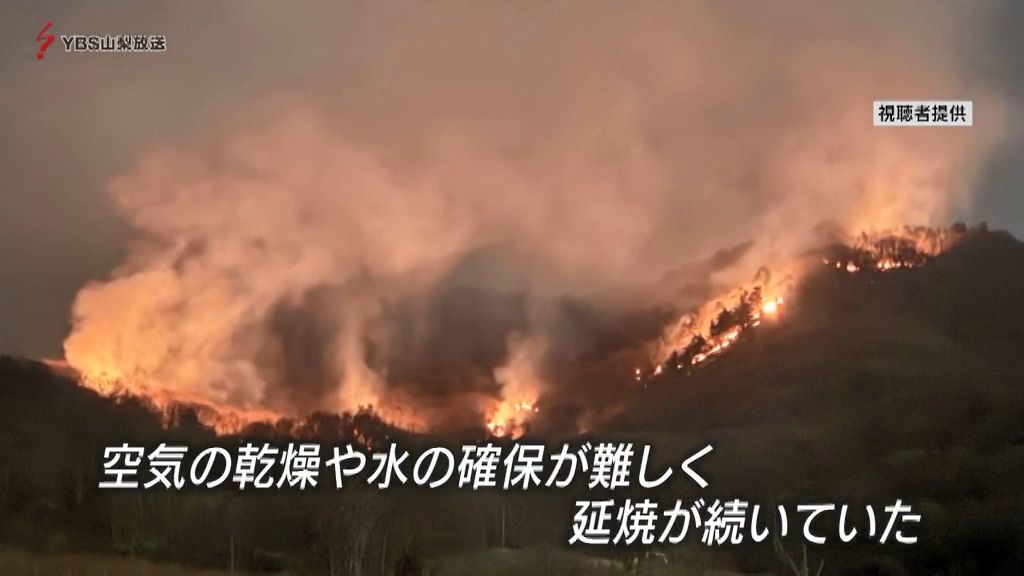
(694, 340)
(723, 331)
(908, 247)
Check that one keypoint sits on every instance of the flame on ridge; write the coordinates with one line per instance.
(708, 332)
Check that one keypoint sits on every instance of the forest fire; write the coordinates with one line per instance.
(724, 330)
(707, 333)
(222, 419)
(511, 419)
(696, 339)
(909, 247)
(520, 384)
(505, 419)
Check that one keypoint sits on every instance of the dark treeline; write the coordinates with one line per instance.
(53, 433)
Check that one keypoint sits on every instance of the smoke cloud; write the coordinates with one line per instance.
(484, 204)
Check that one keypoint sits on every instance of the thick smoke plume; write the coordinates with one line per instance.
(487, 204)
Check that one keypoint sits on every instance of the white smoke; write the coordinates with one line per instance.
(586, 151)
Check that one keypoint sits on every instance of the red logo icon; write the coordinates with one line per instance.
(46, 40)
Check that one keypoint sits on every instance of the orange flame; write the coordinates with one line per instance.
(713, 328)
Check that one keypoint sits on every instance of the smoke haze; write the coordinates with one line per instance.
(441, 209)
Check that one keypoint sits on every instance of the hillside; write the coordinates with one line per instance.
(907, 383)
(904, 384)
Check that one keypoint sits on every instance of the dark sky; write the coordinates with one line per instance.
(71, 122)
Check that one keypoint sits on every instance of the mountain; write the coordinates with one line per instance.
(905, 384)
